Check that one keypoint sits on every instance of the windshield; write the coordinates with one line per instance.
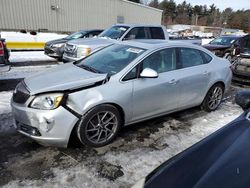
(114, 32)
(223, 41)
(111, 59)
(76, 35)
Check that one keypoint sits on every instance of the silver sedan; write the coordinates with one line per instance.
(124, 83)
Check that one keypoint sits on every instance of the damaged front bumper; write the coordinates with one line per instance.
(47, 127)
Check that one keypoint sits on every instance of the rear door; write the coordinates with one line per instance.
(195, 76)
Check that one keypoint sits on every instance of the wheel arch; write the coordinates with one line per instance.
(218, 82)
(120, 109)
(204, 105)
(73, 137)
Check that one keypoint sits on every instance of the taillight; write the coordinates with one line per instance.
(1, 49)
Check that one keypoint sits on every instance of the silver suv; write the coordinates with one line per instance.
(122, 84)
(77, 49)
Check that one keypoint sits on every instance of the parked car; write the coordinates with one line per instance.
(222, 45)
(122, 84)
(4, 52)
(80, 48)
(55, 48)
(219, 160)
(241, 62)
(192, 40)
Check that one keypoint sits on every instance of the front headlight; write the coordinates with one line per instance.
(47, 101)
(58, 45)
(83, 51)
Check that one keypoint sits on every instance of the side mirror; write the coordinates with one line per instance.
(148, 73)
(242, 98)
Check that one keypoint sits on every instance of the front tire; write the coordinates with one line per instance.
(99, 126)
(213, 98)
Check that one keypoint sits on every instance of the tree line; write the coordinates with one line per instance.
(185, 13)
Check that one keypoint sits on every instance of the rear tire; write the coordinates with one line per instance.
(99, 126)
(213, 98)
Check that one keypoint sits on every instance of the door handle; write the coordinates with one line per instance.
(206, 73)
(173, 81)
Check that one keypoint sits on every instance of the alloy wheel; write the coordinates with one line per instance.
(101, 127)
(215, 98)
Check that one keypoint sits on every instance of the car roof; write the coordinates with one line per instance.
(138, 25)
(154, 43)
(90, 30)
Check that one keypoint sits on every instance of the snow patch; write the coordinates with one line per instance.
(5, 102)
(6, 119)
(29, 56)
(27, 37)
(22, 72)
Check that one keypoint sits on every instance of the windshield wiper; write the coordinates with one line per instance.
(91, 69)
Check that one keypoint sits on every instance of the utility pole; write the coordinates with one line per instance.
(196, 19)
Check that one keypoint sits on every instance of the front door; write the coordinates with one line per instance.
(155, 96)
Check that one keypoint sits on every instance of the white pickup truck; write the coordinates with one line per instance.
(79, 48)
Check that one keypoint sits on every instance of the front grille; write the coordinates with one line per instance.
(48, 51)
(70, 49)
(70, 54)
(21, 93)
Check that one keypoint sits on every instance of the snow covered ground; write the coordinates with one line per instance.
(27, 37)
(6, 122)
(23, 71)
(137, 151)
(5, 102)
(36, 60)
(29, 56)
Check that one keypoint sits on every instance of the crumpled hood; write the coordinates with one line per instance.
(60, 78)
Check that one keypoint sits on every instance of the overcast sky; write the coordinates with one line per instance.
(221, 4)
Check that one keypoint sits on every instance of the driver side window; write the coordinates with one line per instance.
(136, 33)
(161, 61)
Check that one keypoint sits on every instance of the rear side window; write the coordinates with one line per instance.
(156, 33)
(190, 57)
(207, 58)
